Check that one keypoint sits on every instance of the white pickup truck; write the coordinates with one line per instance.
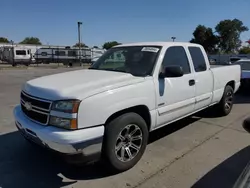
(107, 111)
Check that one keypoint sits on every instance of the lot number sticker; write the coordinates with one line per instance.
(150, 49)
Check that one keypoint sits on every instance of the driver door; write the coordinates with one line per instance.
(175, 96)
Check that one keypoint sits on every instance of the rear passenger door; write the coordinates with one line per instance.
(175, 96)
(203, 78)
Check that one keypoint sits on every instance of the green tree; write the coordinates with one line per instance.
(108, 45)
(31, 40)
(80, 44)
(205, 36)
(244, 50)
(229, 32)
(4, 40)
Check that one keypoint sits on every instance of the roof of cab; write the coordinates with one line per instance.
(159, 44)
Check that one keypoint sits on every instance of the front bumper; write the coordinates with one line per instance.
(87, 142)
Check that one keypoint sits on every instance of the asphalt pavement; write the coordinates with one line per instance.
(200, 151)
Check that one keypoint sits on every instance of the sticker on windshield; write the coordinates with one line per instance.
(150, 49)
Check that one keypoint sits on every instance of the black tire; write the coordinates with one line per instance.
(112, 131)
(226, 104)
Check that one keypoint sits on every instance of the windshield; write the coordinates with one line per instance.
(136, 60)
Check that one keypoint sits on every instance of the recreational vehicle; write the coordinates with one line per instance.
(67, 56)
(16, 55)
(62, 55)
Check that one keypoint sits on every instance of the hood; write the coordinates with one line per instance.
(78, 84)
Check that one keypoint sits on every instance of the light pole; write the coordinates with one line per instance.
(173, 38)
(79, 40)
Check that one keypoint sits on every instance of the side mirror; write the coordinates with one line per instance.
(172, 71)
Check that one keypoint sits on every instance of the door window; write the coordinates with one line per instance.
(176, 55)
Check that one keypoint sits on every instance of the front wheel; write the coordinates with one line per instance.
(125, 141)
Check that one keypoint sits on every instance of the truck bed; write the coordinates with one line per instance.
(221, 75)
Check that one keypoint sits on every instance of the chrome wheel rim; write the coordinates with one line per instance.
(229, 100)
(128, 143)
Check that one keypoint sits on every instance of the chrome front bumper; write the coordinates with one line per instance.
(87, 142)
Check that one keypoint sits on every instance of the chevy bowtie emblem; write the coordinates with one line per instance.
(28, 106)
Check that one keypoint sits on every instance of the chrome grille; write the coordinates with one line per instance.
(35, 108)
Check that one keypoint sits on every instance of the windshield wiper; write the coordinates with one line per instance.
(93, 68)
(109, 69)
(118, 70)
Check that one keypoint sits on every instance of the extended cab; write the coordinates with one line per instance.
(109, 109)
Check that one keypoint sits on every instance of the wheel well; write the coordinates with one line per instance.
(142, 110)
(232, 84)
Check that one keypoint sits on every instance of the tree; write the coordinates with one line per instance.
(4, 40)
(31, 40)
(108, 45)
(80, 44)
(95, 47)
(244, 50)
(205, 37)
(229, 32)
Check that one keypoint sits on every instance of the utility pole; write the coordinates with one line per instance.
(173, 38)
(79, 41)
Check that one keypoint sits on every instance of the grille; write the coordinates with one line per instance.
(34, 108)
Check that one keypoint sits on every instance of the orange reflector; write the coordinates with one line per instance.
(75, 106)
(73, 124)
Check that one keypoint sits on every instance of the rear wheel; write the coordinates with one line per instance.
(125, 141)
(226, 104)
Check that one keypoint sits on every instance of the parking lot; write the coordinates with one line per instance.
(198, 151)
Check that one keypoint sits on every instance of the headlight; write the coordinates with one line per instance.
(63, 122)
(68, 106)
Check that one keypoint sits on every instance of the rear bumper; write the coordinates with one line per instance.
(86, 142)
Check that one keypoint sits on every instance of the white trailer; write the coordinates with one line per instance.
(1, 53)
(62, 55)
(16, 55)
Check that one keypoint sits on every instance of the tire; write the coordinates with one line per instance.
(116, 141)
(226, 104)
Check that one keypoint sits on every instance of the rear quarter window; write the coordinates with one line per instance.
(198, 59)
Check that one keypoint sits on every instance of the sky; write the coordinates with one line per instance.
(54, 22)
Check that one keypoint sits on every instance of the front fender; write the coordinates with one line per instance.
(96, 109)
